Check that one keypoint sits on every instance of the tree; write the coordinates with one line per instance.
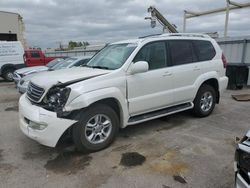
(73, 44)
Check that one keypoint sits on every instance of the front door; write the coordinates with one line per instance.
(150, 90)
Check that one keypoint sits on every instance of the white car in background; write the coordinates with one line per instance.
(20, 73)
(67, 63)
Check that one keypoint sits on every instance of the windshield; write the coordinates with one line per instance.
(64, 64)
(113, 56)
(54, 62)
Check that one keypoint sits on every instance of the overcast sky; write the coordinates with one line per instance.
(49, 22)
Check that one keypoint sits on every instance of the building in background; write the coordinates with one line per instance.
(12, 27)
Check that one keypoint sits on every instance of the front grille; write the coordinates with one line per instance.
(244, 164)
(34, 92)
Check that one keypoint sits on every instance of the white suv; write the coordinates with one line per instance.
(126, 83)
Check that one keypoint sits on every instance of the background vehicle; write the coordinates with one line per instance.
(11, 58)
(67, 63)
(18, 74)
(126, 83)
(242, 163)
(35, 57)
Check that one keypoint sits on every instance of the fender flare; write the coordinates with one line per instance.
(203, 78)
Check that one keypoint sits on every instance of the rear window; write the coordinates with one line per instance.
(181, 52)
(204, 50)
(35, 54)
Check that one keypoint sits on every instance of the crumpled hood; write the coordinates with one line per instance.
(47, 79)
(29, 70)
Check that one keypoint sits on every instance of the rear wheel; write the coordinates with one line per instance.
(8, 74)
(96, 128)
(204, 101)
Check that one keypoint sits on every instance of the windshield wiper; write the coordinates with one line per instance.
(98, 67)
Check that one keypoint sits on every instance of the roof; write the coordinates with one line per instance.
(9, 12)
(166, 35)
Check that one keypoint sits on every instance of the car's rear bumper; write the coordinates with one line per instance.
(223, 81)
(49, 136)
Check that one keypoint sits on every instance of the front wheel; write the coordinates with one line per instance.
(96, 128)
(204, 101)
(8, 74)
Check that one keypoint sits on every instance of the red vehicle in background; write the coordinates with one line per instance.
(35, 57)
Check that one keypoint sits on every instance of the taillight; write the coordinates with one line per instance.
(223, 58)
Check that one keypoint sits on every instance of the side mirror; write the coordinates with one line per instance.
(139, 67)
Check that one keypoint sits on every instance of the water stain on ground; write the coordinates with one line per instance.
(179, 179)
(8, 99)
(171, 123)
(132, 159)
(231, 141)
(12, 108)
(121, 148)
(68, 162)
(165, 186)
(169, 164)
(5, 167)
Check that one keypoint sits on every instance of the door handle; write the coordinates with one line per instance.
(167, 74)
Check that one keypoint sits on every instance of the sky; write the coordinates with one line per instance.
(50, 22)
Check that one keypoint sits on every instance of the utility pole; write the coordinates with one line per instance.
(231, 5)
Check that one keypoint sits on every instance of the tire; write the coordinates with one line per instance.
(87, 132)
(204, 101)
(8, 74)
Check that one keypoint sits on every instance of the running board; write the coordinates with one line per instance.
(159, 113)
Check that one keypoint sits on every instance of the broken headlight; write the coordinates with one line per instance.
(56, 98)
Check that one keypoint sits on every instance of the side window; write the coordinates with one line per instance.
(34, 54)
(204, 50)
(154, 54)
(181, 52)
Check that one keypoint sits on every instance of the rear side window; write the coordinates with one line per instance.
(204, 50)
(181, 52)
(35, 54)
(154, 54)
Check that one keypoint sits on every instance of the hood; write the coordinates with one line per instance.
(29, 70)
(66, 76)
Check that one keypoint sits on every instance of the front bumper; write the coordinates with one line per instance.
(21, 88)
(55, 126)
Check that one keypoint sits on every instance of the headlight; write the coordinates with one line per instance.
(56, 98)
(24, 83)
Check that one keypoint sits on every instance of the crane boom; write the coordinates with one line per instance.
(155, 14)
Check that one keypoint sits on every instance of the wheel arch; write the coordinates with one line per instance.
(109, 96)
(6, 67)
(213, 82)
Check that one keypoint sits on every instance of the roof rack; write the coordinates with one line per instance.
(186, 35)
(152, 35)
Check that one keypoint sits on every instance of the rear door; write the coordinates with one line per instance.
(186, 69)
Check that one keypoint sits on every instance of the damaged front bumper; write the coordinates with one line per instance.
(41, 125)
